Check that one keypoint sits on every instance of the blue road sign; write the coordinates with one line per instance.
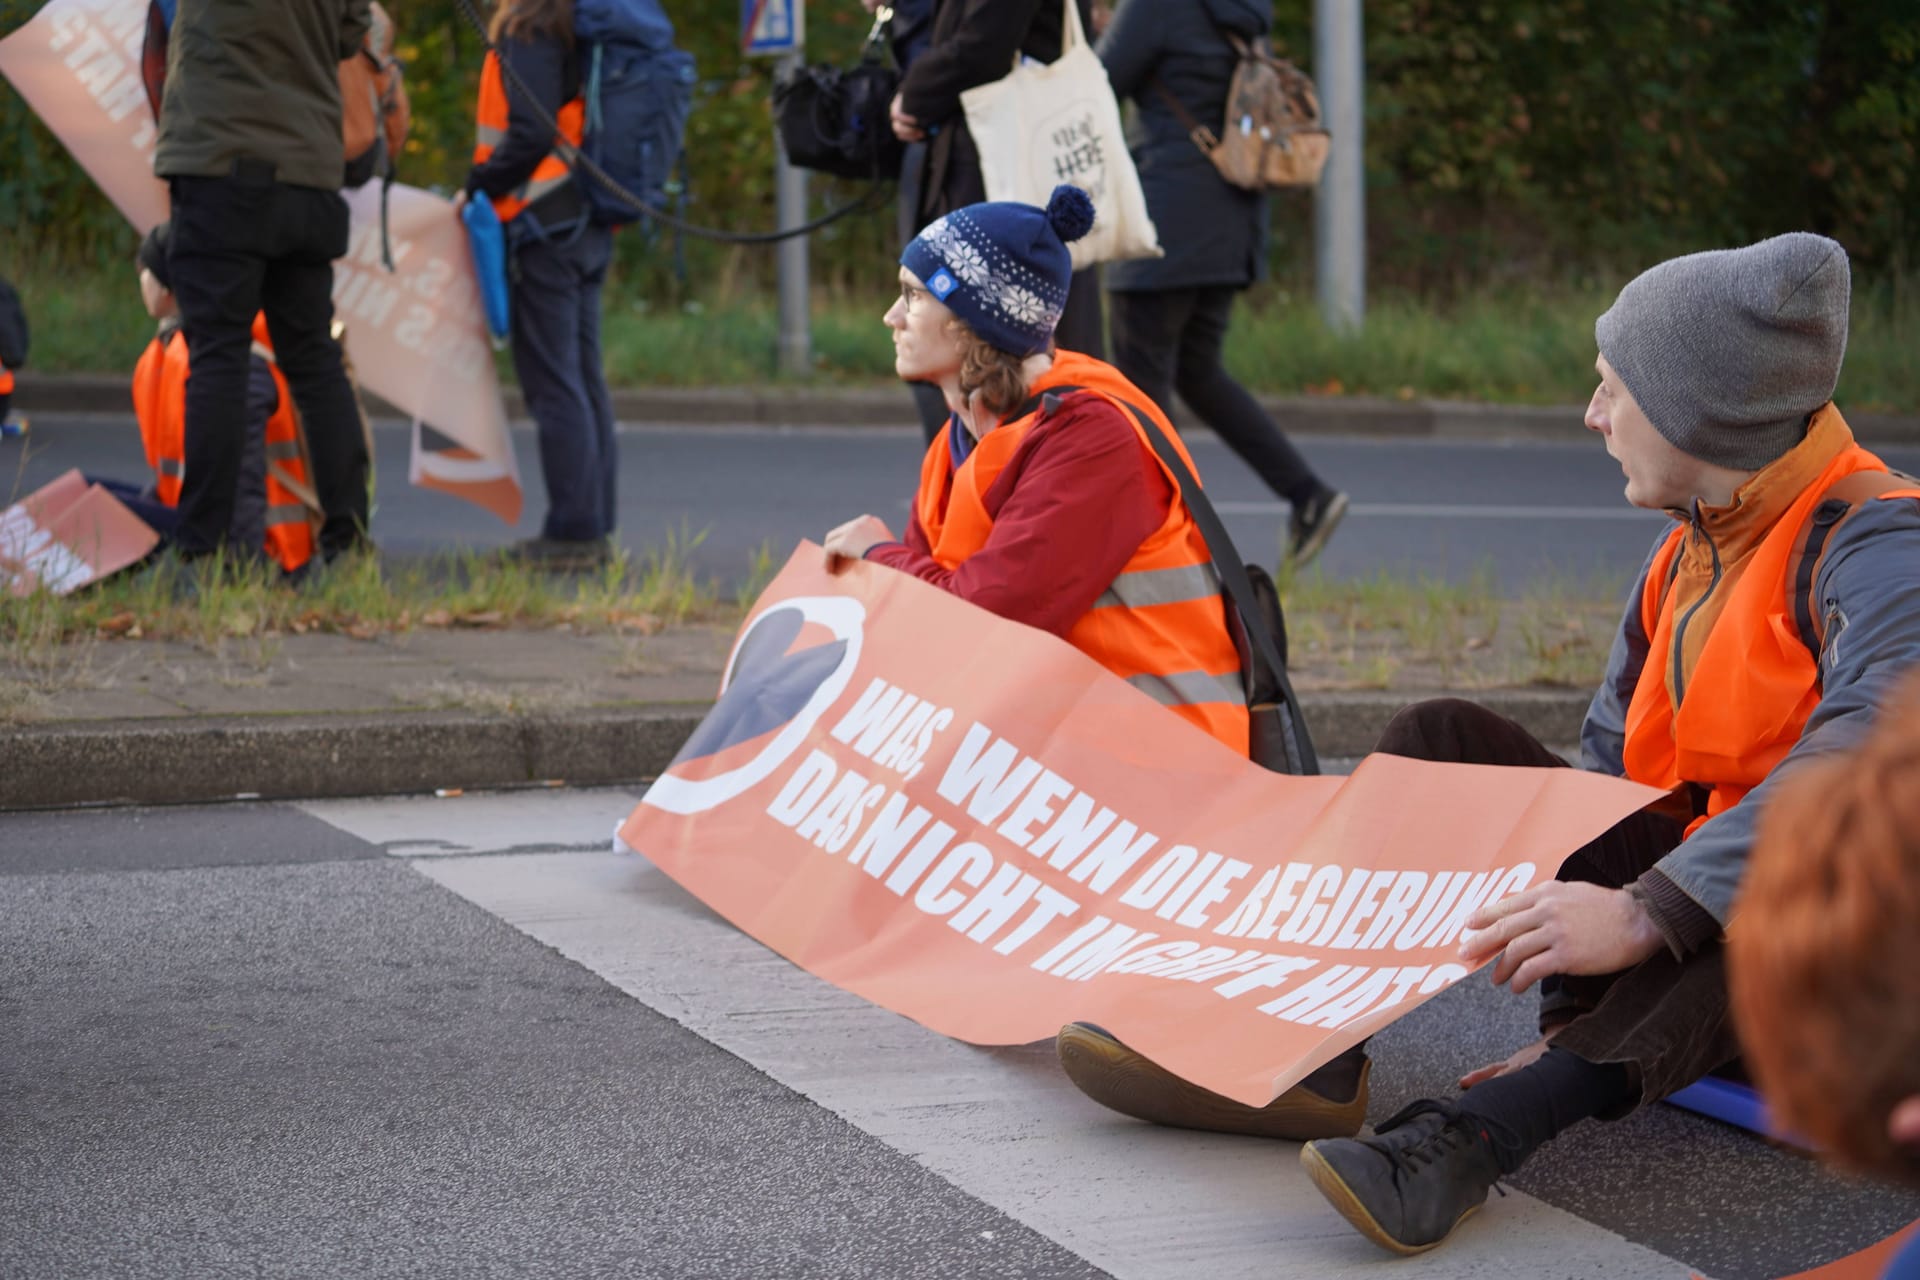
(773, 26)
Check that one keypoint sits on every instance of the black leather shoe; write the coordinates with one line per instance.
(1408, 1186)
(1118, 1078)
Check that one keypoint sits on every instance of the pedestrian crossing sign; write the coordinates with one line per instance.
(773, 26)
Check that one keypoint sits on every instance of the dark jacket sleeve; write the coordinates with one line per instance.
(546, 65)
(980, 50)
(1131, 45)
(1080, 497)
(355, 18)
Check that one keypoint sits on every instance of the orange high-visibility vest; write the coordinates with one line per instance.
(1162, 625)
(160, 405)
(1723, 721)
(6, 381)
(491, 129)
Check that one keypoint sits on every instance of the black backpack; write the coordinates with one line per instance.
(14, 336)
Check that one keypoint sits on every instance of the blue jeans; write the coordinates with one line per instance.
(555, 288)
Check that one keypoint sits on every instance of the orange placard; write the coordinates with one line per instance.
(418, 337)
(970, 822)
(66, 534)
(77, 63)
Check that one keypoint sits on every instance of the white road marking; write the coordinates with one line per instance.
(484, 822)
(1001, 1124)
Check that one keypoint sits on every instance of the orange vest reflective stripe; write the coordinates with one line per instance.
(491, 129)
(160, 405)
(1744, 700)
(6, 381)
(292, 505)
(1162, 625)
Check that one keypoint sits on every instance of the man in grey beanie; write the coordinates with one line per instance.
(1768, 623)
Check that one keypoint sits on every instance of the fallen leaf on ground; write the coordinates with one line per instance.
(119, 624)
(436, 618)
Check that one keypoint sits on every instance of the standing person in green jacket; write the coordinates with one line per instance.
(251, 149)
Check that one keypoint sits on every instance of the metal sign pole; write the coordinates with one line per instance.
(790, 207)
(1340, 201)
(779, 27)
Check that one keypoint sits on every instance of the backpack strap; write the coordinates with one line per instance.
(1842, 498)
(1203, 137)
(1227, 564)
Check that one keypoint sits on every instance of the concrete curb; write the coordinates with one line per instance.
(207, 759)
(892, 407)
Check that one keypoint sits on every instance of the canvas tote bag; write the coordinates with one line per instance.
(1042, 125)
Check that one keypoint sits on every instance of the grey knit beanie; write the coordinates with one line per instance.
(1728, 353)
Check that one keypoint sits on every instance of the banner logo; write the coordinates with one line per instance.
(791, 664)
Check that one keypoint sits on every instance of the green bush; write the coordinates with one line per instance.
(1554, 141)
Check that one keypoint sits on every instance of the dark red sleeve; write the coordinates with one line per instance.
(1073, 505)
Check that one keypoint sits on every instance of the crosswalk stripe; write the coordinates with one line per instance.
(1001, 1124)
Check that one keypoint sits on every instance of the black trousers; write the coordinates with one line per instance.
(1667, 1020)
(556, 352)
(241, 246)
(1167, 340)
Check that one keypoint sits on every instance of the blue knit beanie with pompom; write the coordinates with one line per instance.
(1003, 267)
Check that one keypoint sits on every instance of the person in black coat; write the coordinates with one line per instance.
(1170, 314)
(975, 42)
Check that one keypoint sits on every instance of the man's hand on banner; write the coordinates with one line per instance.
(1560, 927)
(853, 539)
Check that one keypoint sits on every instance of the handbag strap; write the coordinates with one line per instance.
(1226, 563)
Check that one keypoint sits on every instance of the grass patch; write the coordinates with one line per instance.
(234, 607)
(1373, 633)
(1506, 344)
(1422, 633)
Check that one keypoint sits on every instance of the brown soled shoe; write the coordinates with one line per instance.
(1424, 1171)
(1118, 1078)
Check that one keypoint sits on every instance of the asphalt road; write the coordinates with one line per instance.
(1530, 515)
(459, 1037)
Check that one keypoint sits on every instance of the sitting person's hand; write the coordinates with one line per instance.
(852, 540)
(1559, 927)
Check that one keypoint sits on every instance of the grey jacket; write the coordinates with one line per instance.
(252, 80)
(1868, 592)
(1213, 232)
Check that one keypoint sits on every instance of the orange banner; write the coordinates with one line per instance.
(416, 336)
(66, 534)
(971, 823)
(77, 63)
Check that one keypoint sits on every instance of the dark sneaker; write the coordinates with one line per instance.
(1118, 1078)
(562, 555)
(1312, 523)
(1408, 1186)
